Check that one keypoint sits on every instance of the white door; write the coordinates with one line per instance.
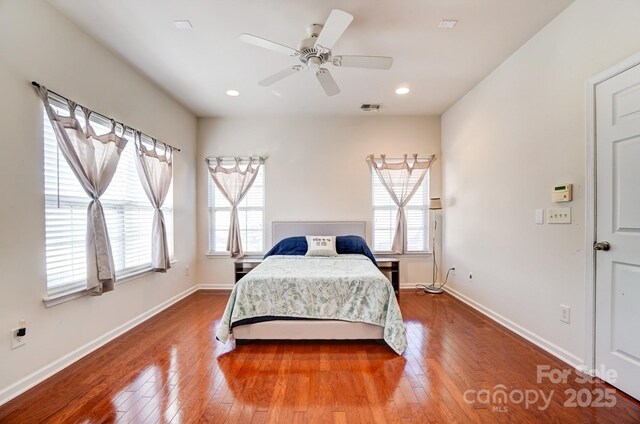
(618, 223)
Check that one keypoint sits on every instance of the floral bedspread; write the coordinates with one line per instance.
(344, 287)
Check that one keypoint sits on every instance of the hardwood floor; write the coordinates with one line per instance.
(172, 370)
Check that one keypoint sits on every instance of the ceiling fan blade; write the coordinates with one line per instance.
(371, 62)
(267, 44)
(327, 82)
(336, 24)
(279, 75)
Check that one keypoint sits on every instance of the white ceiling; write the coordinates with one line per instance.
(197, 66)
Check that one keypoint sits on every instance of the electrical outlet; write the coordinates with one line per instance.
(565, 314)
(453, 270)
(17, 341)
(186, 271)
(470, 276)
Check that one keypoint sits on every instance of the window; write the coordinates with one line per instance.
(384, 218)
(250, 215)
(128, 213)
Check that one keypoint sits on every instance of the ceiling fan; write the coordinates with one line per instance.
(315, 51)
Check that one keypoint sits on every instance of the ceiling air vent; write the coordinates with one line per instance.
(370, 107)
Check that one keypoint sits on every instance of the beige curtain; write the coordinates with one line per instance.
(401, 179)
(93, 159)
(234, 182)
(155, 169)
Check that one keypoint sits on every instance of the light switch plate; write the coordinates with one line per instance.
(559, 216)
(539, 216)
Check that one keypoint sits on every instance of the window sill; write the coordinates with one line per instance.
(225, 255)
(403, 255)
(66, 296)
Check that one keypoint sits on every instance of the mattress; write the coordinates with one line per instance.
(345, 288)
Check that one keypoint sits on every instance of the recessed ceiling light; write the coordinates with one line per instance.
(447, 23)
(233, 93)
(402, 90)
(182, 24)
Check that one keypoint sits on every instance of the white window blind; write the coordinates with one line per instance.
(384, 217)
(128, 213)
(250, 215)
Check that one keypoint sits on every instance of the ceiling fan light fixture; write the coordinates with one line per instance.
(402, 90)
(314, 62)
(233, 93)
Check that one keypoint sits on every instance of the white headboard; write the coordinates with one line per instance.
(283, 229)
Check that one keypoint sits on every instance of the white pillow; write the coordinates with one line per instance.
(321, 246)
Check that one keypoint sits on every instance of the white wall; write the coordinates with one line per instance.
(38, 43)
(506, 144)
(316, 171)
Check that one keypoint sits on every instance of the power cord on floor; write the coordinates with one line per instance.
(423, 287)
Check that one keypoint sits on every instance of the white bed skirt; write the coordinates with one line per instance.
(308, 330)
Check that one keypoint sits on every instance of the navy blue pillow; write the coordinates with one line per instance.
(354, 244)
(289, 246)
(344, 244)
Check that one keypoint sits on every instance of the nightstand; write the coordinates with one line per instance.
(244, 265)
(392, 266)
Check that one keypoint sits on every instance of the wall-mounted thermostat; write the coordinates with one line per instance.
(562, 193)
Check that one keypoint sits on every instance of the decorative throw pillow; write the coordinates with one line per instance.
(321, 246)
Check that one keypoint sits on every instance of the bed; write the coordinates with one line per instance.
(292, 296)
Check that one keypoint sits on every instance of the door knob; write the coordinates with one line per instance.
(601, 245)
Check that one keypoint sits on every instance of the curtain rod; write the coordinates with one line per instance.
(35, 84)
(234, 157)
(396, 157)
